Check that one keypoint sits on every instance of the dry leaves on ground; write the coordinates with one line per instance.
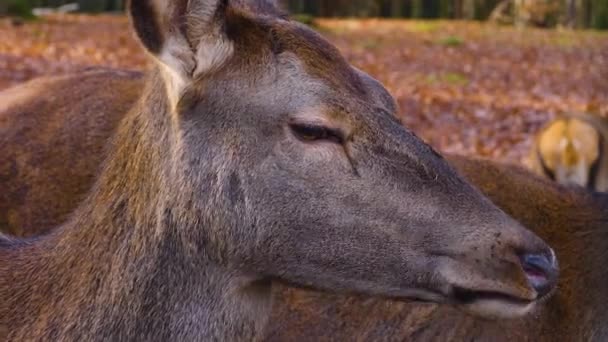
(465, 87)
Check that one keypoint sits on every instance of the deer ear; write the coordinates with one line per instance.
(185, 36)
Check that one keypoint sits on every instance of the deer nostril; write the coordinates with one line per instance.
(541, 271)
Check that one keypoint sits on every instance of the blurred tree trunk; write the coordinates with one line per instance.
(446, 9)
(324, 8)
(115, 5)
(92, 5)
(311, 7)
(599, 14)
(396, 8)
(417, 8)
(296, 6)
(468, 9)
(583, 16)
(432, 9)
(457, 9)
(570, 17)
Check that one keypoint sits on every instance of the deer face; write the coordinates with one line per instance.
(294, 168)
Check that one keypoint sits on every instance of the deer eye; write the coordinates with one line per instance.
(312, 133)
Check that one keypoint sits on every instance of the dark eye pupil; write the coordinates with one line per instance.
(313, 133)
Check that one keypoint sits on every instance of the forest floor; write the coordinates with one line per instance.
(465, 87)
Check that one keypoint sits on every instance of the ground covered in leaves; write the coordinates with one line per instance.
(464, 87)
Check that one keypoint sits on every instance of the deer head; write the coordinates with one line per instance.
(257, 154)
(288, 163)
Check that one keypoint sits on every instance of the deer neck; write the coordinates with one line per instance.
(127, 264)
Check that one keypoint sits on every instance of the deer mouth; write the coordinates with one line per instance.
(466, 296)
(513, 290)
(493, 304)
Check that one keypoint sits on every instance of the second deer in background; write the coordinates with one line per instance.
(572, 151)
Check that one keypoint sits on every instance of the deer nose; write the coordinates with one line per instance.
(541, 271)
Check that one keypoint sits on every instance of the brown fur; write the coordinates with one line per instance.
(574, 222)
(46, 171)
(212, 190)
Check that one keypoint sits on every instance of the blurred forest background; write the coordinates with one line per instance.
(545, 13)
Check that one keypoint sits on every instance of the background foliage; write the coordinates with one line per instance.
(464, 86)
(574, 13)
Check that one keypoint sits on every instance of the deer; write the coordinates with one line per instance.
(570, 149)
(255, 156)
(573, 220)
(52, 147)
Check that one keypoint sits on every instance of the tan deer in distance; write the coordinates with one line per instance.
(256, 155)
(572, 150)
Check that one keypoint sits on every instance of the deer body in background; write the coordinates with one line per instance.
(52, 146)
(571, 150)
(256, 155)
